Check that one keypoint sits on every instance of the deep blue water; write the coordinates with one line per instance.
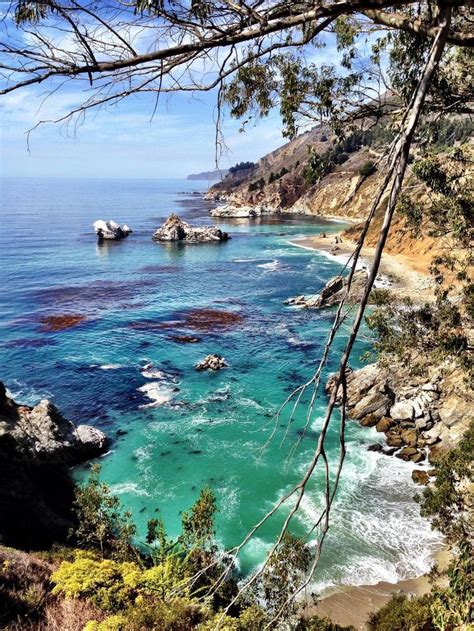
(175, 430)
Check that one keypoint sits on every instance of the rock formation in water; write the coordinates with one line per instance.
(175, 229)
(421, 415)
(37, 448)
(211, 362)
(110, 231)
(333, 293)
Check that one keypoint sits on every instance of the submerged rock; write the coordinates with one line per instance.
(211, 362)
(110, 230)
(175, 229)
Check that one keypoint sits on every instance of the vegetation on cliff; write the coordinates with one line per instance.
(417, 72)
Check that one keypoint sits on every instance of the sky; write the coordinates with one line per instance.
(125, 140)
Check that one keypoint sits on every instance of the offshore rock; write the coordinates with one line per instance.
(37, 447)
(110, 230)
(211, 362)
(238, 212)
(333, 292)
(175, 229)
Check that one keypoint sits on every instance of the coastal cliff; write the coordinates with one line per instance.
(37, 447)
(316, 174)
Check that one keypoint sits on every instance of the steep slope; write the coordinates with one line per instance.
(316, 175)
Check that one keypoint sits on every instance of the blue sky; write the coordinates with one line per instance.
(123, 141)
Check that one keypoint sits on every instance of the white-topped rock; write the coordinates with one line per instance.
(110, 230)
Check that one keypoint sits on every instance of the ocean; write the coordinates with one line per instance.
(127, 366)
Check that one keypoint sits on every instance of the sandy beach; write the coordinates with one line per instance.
(409, 278)
(352, 605)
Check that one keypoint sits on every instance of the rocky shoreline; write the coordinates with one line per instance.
(420, 416)
(37, 448)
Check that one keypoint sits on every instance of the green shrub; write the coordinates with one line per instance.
(403, 614)
(368, 168)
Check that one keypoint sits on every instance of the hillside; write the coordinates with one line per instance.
(212, 176)
(316, 175)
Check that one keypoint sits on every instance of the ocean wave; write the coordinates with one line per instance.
(158, 393)
(131, 488)
(377, 531)
(270, 266)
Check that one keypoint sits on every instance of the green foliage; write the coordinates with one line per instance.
(282, 576)
(27, 11)
(101, 523)
(258, 185)
(198, 523)
(242, 166)
(316, 623)
(368, 168)
(410, 332)
(402, 614)
(445, 502)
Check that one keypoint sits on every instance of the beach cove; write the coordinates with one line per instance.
(100, 329)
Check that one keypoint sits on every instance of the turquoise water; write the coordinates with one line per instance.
(173, 429)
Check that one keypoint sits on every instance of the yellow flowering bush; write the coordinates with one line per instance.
(113, 585)
(112, 623)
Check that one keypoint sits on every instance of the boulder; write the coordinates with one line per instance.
(393, 439)
(211, 362)
(407, 453)
(110, 230)
(409, 437)
(420, 477)
(175, 229)
(384, 424)
(377, 447)
(44, 433)
(418, 457)
(369, 421)
(401, 411)
(375, 403)
(333, 292)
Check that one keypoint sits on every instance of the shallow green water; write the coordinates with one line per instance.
(175, 430)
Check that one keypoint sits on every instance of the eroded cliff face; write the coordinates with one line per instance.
(279, 184)
(37, 447)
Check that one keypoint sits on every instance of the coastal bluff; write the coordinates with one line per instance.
(37, 448)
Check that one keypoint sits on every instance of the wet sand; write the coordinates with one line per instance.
(353, 605)
(407, 278)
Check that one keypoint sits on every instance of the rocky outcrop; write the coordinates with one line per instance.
(420, 415)
(42, 432)
(110, 231)
(333, 293)
(37, 448)
(175, 229)
(211, 362)
(239, 212)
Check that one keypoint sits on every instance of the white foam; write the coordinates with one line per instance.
(271, 266)
(158, 393)
(110, 366)
(128, 487)
(375, 513)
